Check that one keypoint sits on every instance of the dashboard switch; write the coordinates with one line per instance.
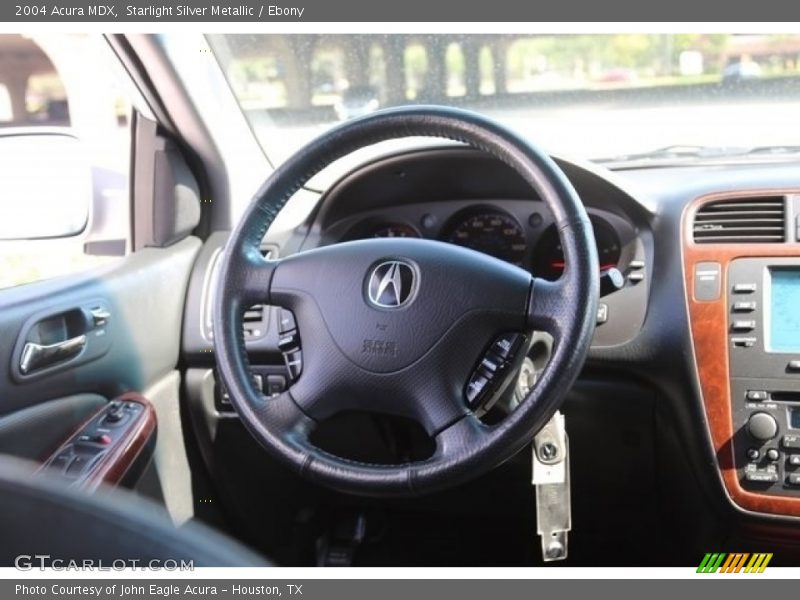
(492, 368)
(506, 345)
(757, 395)
(740, 325)
(761, 476)
(602, 313)
(793, 366)
(286, 321)
(707, 281)
(743, 307)
(793, 460)
(791, 442)
(745, 288)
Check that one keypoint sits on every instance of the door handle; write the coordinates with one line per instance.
(37, 356)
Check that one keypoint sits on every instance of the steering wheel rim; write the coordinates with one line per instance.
(438, 329)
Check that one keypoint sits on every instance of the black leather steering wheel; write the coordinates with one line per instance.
(397, 326)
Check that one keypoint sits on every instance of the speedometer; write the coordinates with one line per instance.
(493, 233)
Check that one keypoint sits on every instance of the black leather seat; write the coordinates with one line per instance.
(40, 515)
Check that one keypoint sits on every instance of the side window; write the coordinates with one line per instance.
(65, 155)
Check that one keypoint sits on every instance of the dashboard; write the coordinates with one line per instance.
(654, 331)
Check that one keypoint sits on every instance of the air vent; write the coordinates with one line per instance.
(742, 220)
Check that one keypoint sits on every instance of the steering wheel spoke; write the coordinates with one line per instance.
(254, 277)
(548, 304)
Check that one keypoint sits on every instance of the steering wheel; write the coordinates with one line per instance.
(398, 326)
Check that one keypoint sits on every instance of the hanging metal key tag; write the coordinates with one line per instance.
(551, 478)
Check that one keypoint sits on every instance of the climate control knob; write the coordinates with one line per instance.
(762, 426)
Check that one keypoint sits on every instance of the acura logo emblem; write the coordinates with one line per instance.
(392, 284)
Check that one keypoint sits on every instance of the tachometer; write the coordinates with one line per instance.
(492, 233)
(548, 260)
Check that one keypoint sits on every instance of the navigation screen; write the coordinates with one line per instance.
(784, 334)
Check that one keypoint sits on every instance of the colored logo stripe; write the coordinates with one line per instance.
(758, 563)
(734, 563)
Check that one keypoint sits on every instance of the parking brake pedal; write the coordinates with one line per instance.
(551, 478)
(338, 547)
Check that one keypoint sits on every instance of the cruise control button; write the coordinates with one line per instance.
(294, 363)
(286, 321)
(476, 388)
(506, 345)
(276, 385)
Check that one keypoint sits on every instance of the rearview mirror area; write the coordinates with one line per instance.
(46, 187)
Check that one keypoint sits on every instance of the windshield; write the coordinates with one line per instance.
(601, 97)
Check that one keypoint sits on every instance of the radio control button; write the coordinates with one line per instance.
(773, 455)
(762, 426)
(793, 479)
(753, 454)
(792, 442)
(761, 476)
(743, 325)
(793, 366)
(744, 306)
(793, 460)
(757, 395)
(745, 288)
(744, 342)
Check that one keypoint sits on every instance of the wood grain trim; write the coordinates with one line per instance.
(116, 463)
(709, 327)
(113, 466)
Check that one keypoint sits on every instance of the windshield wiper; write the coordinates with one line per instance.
(679, 153)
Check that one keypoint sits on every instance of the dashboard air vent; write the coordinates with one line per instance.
(759, 220)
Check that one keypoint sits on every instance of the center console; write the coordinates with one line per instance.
(743, 299)
(764, 348)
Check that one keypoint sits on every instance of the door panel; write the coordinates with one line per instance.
(144, 294)
(135, 347)
(36, 431)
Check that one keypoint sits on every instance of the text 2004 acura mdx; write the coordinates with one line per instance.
(565, 261)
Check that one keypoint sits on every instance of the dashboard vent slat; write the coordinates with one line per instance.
(746, 220)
